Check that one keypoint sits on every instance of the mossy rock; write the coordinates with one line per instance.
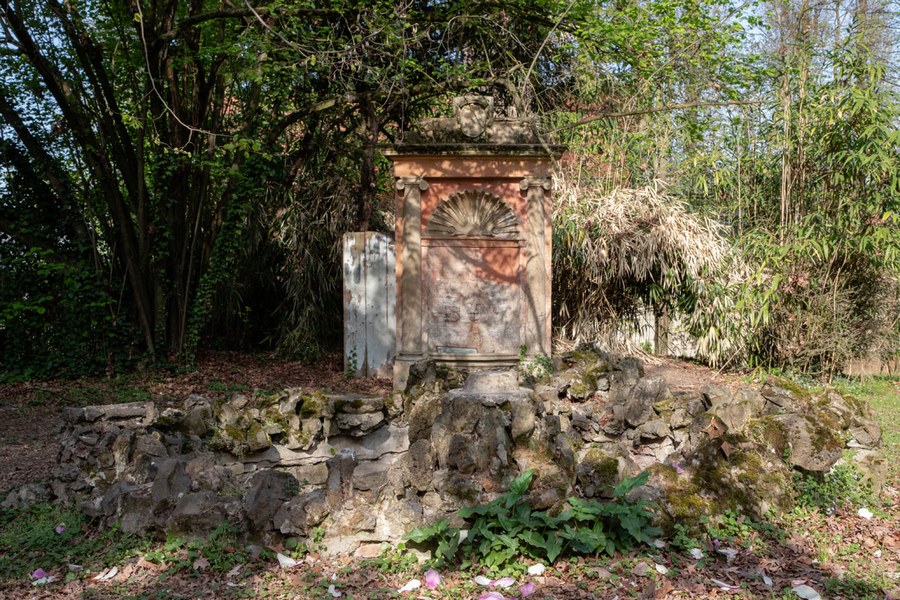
(579, 391)
(315, 406)
(597, 473)
(785, 395)
(814, 444)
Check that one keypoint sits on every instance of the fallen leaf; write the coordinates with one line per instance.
(728, 553)
(234, 571)
(714, 429)
(201, 563)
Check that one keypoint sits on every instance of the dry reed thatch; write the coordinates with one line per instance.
(619, 253)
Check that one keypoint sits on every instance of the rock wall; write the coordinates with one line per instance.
(356, 471)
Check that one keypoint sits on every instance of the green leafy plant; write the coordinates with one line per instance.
(393, 560)
(731, 525)
(682, 539)
(843, 487)
(508, 527)
(219, 551)
(534, 368)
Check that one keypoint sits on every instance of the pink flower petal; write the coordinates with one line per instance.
(39, 574)
(60, 528)
(527, 589)
(491, 596)
(504, 582)
(432, 579)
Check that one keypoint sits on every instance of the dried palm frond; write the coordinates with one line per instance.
(617, 254)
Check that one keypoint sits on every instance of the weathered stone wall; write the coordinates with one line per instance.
(362, 470)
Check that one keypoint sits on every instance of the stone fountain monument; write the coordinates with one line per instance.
(473, 239)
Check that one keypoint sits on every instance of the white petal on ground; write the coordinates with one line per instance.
(482, 580)
(536, 569)
(725, 586)
(865, 513)
(412, 584)
(806, 592)
(107, 574)
(44, 580)
(285, 562)
(334, 591)
(661, 569)
(504, 582)
(696, 553)
(659, 544)
(767, 580)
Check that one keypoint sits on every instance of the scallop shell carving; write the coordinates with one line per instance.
(473, 213)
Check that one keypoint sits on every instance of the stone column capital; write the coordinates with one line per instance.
(404, 183)
(532, 182)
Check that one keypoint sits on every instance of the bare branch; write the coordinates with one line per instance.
(654, 109)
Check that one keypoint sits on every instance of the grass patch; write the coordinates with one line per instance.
(51, 538)
(883, 395)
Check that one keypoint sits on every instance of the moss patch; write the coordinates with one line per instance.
(314, 406)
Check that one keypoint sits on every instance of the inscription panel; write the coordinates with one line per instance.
(472, 299)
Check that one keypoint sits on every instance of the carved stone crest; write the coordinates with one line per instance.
(474, 114)
(473, 213)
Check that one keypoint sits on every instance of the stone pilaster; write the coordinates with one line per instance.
(537, 266)
(409, 288)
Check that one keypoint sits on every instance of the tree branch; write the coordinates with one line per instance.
(654, 109)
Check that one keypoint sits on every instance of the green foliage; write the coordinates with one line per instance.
(844, 487)
(728, 526)
(506, 528)
(393, 560)
(30, 541)
(813, 197)
(221, 549)
(536, 368)
(683, 540)
(57, 320)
